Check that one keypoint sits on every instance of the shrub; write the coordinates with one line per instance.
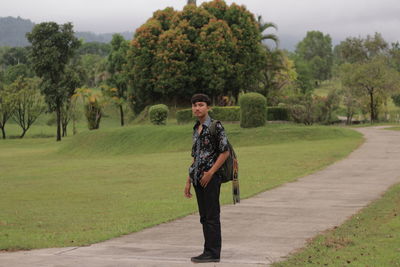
(252, 110)
(184, 116)
(396, 99)
(93, 114)
(277, 114)
(225, 113)
(158, 114)
(301, 114)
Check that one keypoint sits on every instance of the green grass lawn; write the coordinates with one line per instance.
(102, 184)
(397, 128)
(369, 238)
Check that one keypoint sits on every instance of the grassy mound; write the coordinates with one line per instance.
(175, 138)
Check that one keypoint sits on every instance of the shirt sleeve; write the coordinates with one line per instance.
(222, 139)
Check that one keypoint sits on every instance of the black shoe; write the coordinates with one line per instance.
(204, 258)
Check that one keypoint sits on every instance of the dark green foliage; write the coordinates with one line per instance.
(12, 73)
(277, 114)
(158, 114)
(116, 63)
(94, 48)
(213, 49)
(225, 113)
(316, 51)
(53, 46)
(396, 99)
(14, 56)
(252, 110)
(184, 116)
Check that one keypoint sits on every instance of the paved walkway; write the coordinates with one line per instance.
(257, 232)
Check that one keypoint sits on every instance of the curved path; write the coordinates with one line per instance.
(261, 229)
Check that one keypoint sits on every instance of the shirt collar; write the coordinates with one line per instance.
(206, 123)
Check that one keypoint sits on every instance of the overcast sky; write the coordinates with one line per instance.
(339, 18)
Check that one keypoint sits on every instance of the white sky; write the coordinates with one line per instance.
(339, 18)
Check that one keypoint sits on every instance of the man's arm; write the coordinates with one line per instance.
(209, 174)
(187, 187)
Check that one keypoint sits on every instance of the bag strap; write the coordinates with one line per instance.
(213, 127)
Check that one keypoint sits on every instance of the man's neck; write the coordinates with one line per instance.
(202, 119)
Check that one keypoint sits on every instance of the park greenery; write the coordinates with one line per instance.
(102, 184)
(214, 48)
(106, 180)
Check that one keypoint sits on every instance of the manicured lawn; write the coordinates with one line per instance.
(104, 184)
(393, 128)
(369, 238)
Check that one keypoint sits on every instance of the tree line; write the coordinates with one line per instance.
(214, 48)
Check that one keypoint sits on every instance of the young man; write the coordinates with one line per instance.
(209, 153)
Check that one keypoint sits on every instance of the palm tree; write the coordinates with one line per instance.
(263, 26)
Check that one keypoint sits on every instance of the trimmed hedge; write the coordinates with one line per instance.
(225, 113)
(253, 107)
(184, 116)
(158, 114)
(278, 114)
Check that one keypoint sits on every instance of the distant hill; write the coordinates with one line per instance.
(13, 31)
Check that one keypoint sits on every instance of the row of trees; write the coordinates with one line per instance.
(214, 48)
(53, 67)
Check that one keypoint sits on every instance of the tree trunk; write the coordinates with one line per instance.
(121, 111)
(58, 113)
(371, 95)
(23, 133)
(74, 131)
(4, 132)
(64, 130)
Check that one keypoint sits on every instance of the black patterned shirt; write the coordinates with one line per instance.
(205, 150)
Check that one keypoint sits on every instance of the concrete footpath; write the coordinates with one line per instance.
(258, 231)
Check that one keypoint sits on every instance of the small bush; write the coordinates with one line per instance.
(396, 99)
(158, 114)
(93, 115)
(252, 110)
(184, 116)
(225, 113)
(277, 114)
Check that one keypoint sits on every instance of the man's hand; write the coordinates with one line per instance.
(187, 190)
(207, 176)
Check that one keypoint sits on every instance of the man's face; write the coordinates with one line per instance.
(200, 109)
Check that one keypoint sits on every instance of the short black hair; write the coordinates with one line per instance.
(201, 98)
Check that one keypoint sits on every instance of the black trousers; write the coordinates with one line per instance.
(209, 209)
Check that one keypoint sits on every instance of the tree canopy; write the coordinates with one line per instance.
(53, 46)
(213, 48)
(315, 50)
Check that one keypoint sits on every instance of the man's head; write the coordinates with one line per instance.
(200, 105)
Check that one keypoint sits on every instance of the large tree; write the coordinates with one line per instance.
(116, 65)
(53, 46)
(315, 50)
(213, 48)
(359, 49)
(374, 79)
